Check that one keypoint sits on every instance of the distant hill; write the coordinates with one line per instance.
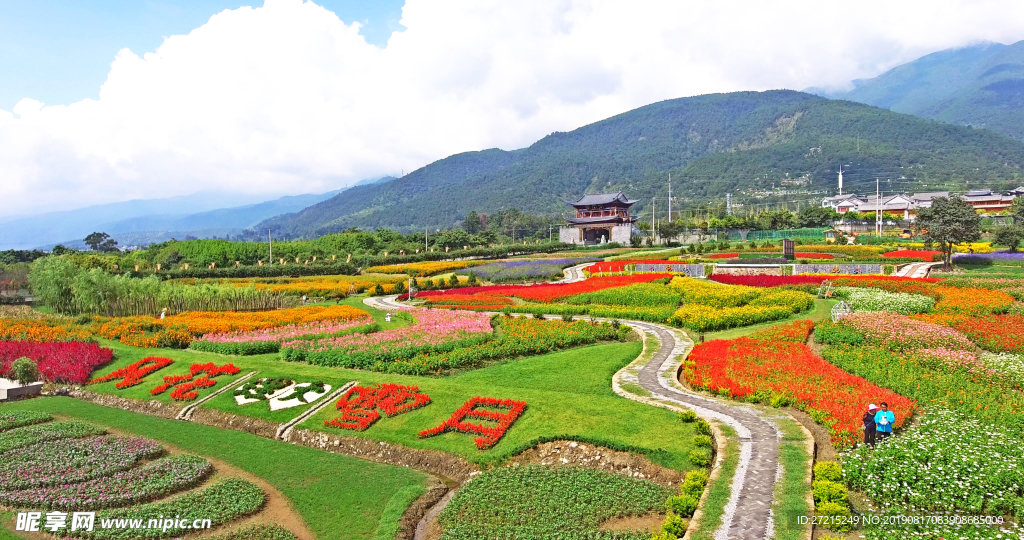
(202, 215)
(743, 143)
(980, 86)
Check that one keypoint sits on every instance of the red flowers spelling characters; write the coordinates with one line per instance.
(359, 405)
(185, 385)
(489, 436)
(133, 374)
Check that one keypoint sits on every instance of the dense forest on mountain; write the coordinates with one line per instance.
(980, 86)
(749, 144)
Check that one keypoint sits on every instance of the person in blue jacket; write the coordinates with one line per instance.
(884, 419)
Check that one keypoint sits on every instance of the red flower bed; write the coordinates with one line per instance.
(488, 436)
(996, 333)
(68, 362)
(185, 386)
(723, 256)
(924, 255)
(771, 368)
(133, 374)
(547, 292)
(359, 405)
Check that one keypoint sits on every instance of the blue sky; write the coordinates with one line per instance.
(59, 52)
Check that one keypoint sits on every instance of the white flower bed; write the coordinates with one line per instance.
(868, 300)
(948, 464)
(1010, 365)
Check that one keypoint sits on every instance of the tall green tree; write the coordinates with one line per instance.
(472, 222)
(101, 241)
(948, 222)
(1010, 236)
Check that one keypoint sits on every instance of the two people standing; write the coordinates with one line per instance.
(878, 423)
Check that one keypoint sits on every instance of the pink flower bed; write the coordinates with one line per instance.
(901, 333)
(285, 333)
(432, 327)
(954, 360)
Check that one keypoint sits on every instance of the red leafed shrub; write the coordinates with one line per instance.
(68, 362)
(185, 385)
(924, 255)
(133, 374)
(359, 405)
(765, 370)
(488, 436)
(547, 292)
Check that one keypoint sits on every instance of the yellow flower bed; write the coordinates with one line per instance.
(326, 286)
(967, 247)
(714, 306)
(423, 269)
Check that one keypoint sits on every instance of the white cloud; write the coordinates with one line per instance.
(288, 98)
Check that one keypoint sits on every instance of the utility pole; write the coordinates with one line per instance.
(840, 179)
(728, 203)
(878, 209)
(549, 233)
(653, 199)
(670, 197)
(270, 241)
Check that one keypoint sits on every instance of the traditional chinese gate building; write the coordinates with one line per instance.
(599, 219)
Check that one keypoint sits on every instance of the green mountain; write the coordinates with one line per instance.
(980, 86)
(759, 146)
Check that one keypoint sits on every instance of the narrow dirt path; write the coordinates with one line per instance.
(748, 513)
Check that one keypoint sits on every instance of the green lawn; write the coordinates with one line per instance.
(792, 492)
(993, 271)
(338, 496)
(568, 395)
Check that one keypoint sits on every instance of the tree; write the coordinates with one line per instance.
(60, 250)
(472, 223)
(1017, 209)
(948, 222)
(101, 241)
(816, 216)
(1010, 236)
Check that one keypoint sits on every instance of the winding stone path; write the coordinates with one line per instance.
(748, 513)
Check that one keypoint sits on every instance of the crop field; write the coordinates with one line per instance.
(452, 373)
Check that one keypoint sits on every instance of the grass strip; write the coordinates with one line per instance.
(792, 492)
(323, 487)
(720, 489)
(388, 528)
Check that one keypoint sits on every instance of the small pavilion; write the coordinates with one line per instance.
(599, 219)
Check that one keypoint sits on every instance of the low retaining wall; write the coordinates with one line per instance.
(152, 407)
(431, 461)
(221, 419)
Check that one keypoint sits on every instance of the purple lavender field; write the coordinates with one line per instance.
(527, 270)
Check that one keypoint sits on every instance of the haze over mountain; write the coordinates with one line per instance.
(202, 214)
(980, 86)
(742, 143)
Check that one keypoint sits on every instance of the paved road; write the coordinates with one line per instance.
(916, 270)
(748, 513)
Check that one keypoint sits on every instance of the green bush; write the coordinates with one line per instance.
(831, 509)
(24, 370)
(687, 416)
(682, 505)
(694, 483)
(827, 490)
(828, 470)
(700, 457)
(675, 525)
(702, 427)
(830, 333)
(703, 441)
(780, 400)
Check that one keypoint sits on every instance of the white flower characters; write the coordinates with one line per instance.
(280, 393)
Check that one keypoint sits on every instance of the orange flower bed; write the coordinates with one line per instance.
(40, 330)
(178, 330)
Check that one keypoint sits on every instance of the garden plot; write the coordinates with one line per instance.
(69, 467)
(280, 393)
